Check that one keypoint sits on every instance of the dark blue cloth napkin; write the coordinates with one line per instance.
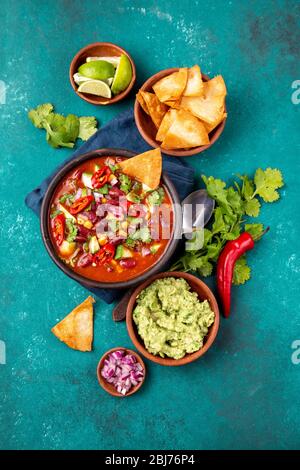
(120, 133)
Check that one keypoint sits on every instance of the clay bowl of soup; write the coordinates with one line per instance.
(101, 234)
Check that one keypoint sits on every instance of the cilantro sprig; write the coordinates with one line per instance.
(232, 206)
(62, 131)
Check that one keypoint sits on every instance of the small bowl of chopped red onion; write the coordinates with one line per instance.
(121, 372)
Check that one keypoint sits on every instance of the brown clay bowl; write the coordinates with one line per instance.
(100, 49)
(109, 388)
(148, 130)
(204, 293)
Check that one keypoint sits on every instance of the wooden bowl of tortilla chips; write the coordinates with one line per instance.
(181, 110)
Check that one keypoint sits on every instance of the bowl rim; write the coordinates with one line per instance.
(89, 98)
(90, 283)
(188, 358)
(152, 142)
(109, 388)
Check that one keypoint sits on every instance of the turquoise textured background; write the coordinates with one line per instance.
(244, 393)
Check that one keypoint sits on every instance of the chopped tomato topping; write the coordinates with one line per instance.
(105, 254)
(101, 177)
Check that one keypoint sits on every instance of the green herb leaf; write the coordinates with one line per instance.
(142, 234)
(71, 229)
(61, 131)
(252, 207)
(156, 197)
(113, 168)
(87, 127)
(216, 189)
(241, 272)
(255, 230)
(126, 183)
(66, 197)
(37, 115)
(219, 224)
(103, 190)
(267, 182)
(247, 188)
(55, 213)
(130, 242)
(235, 201)
(196, 242)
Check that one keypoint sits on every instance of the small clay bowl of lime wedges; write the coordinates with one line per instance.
(102, 73)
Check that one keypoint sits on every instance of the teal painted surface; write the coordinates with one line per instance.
(245, 392)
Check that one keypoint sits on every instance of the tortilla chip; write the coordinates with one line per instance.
(171, 87)
(211, 127)
(215, 87)
(194, 85)
(185, 132)
(210, 106)
(174, 104)
(146, 167)
(141, 101)
(166, 123)
(76, 329)
(156, 109)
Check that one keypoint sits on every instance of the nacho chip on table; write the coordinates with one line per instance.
(185, 132)
(171, 87)
(155, 108)
(146, 167)
(76, 329)
(141, 101)
(194, 85)
(166, 123)
(210, 106)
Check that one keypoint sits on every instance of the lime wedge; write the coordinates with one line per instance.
(95, 87)
(97, 70)
(79, 79)
(112, 60)
(123, 75)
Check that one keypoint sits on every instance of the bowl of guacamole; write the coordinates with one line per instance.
(172, 318)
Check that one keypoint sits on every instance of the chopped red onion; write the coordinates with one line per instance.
(78, 194)
(110, 161)
(97, 197)
(116, 192)
(90, 215)
(114, 181)
(145, 251)
(122, 370)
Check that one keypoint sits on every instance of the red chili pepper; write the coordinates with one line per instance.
(80, 204)
(59, 223)
(105, 255)
(100, 178)
(232, 251)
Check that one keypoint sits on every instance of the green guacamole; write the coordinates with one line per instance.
(170, 318)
